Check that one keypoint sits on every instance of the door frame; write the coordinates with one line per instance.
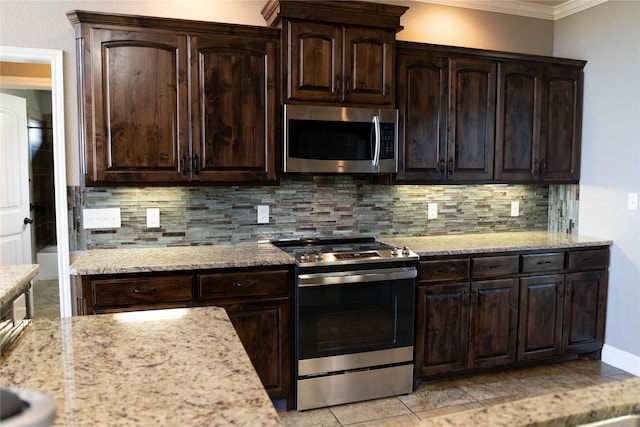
(53, 57)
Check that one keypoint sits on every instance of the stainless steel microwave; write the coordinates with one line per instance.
(321, 139)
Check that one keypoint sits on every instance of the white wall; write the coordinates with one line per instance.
(608, 37)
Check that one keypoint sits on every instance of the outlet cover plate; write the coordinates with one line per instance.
(153, 217)
(432, 211)
(515, 208)
(263, 214)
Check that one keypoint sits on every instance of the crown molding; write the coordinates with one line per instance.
(522, 8)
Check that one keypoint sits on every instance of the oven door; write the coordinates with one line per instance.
(349, 312)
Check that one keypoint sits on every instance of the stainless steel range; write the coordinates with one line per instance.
(354, 320)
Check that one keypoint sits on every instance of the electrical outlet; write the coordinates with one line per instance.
(515, 208)
(153, 218)
(101, 218)
(432, 211)
(263, 214)
(632, 201)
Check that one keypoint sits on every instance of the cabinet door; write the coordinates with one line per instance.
(584, 311)
(135, 106)
(369, 62)
(472, 110)
(518, 122)
(263, 329)
(541, 305)
(561, 125)
(234, 108)
(493, 323)
(442, 328)
(314, 61)
(422, 104)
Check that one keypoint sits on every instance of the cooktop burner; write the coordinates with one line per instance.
(320, 251)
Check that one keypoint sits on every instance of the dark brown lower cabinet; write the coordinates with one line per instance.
(466, 326)
(584, 311)
(494, 320)
(442, 339)
(541, 308)
(545, 305)
(263, 328)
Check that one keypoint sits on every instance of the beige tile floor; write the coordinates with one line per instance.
(447, 396)
(430, 399)
(46, 299)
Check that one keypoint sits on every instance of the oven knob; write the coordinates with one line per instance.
(406, 251)
(394, 251)
(319, 256)
(304, 257)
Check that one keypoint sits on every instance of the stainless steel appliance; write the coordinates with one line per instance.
(322, 139)
(354, 320)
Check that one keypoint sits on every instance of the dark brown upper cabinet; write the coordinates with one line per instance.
(337, 51)
(539, 122)
(447, 116)
(166, 101)
(469, 115)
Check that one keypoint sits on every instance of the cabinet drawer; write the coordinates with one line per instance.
(598, 258)
(444, 269)
(144, 290)
(494, 266)
(241, 284)
(534, 263)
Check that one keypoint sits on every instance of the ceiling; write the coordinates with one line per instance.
(542, 9)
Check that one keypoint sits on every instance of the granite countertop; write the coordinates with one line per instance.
(138, 260)
(571, 408)
(13, 278)
(494, 242)
(186, 368)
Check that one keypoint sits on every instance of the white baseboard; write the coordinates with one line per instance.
(621, 359)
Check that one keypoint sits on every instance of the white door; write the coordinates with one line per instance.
(15, 232)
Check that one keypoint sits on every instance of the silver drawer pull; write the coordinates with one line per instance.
(242, 285)
(143, 291)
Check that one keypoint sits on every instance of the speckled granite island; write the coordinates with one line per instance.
(13, 279)
(181, 367)
(254, 282)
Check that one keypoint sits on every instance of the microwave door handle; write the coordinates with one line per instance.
(376, 153)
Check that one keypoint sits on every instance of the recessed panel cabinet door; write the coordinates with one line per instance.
(541, 307)
(136, 129)
(369, 64)
(422, 104)
(443, 327)
(314, 61)
(584, 311)
(234, 108)
(471, 139)
(518, 155)
(562, 125)
(493, 322)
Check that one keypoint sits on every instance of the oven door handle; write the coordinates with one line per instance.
(360, 276)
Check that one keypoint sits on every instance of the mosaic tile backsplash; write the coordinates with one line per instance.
(304, 206)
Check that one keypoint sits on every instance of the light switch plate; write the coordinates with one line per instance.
(632, 201)
(263, 214)
(432, 211)
(515, 208)
(153, 218)
(101, 218)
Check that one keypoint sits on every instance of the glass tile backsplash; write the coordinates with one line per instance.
(304, 206)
